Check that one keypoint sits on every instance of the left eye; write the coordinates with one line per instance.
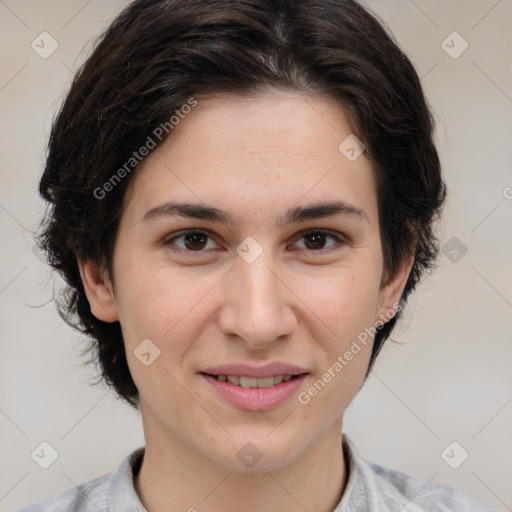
(197, 241)
(317, 238)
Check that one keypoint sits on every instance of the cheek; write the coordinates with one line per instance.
(162, 305)
(347, 306)
(346, 303)
(159, 307)
(345, 300)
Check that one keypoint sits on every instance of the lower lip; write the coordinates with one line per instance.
(255, 399)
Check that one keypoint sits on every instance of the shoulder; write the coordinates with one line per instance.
(90, 496)
(114, 491)
(420, 495)
(375, 488)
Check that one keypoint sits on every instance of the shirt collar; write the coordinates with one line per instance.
(121, 490)
(354, 497)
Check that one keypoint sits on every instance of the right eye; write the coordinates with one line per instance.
(192, 240)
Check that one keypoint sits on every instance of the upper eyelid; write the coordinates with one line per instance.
(183, 232)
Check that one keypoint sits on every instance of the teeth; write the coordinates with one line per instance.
(278, 379)
(234, 379)
(248, 382)
(266, 382)
(252, 382)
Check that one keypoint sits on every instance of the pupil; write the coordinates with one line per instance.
(195, 240)
(317, 238)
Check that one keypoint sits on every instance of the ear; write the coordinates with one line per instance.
(99, 290)
(391, 292)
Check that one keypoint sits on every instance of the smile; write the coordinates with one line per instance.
(252, 382)
(254, 394)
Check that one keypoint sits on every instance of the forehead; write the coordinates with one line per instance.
(259, 151)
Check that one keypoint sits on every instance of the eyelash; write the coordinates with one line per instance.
(339, 241)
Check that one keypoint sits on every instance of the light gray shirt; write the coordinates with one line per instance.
(370, 488)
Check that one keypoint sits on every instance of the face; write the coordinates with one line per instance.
(260, 277)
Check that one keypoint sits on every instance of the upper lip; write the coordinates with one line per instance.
(246, 370)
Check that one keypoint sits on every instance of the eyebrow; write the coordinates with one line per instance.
(293, 215)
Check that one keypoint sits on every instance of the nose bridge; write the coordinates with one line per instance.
(261, 283)
(258, 307)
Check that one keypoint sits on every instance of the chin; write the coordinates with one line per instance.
(258, 454)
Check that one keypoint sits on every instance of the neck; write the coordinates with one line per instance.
(175, 477)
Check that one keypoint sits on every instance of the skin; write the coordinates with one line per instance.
(298, 302)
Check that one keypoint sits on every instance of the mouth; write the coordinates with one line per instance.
(254, 393)
(253, 382)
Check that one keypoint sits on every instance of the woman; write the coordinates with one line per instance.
(243, 196)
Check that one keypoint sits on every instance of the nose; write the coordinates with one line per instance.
(258, 304)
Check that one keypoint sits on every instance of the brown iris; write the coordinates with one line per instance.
(317, 238)
(195, 241)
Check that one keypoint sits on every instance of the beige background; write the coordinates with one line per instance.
(449, 377)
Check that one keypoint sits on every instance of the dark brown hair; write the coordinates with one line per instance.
(157, 54)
